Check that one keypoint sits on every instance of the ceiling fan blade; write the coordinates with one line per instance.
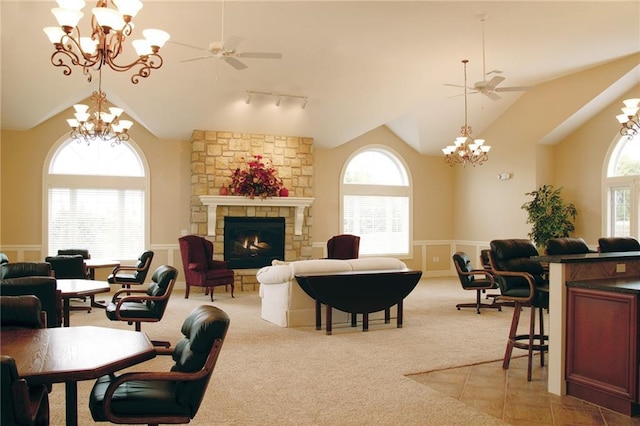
(232, 42)
(187, 45)
(513, 89)
(260, 55)
(197, 58)
(235, 63)
(492, 95)
(494, 82)
(457, 85)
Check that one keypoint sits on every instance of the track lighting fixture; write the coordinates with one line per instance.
(278, 97)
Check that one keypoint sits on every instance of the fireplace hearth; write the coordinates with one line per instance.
(253, 242)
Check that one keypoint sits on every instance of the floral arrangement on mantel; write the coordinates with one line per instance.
(257, 179)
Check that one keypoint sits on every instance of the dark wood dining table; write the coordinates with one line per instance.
(68, 355)
(93, 264)
(73, 288)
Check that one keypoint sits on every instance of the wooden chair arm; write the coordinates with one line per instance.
(479, 272)
(530, 280)
(156, 376)
(124, 268)
(128, 291)
(144, 298)
(27, 401)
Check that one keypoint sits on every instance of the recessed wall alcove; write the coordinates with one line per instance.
(215, 154)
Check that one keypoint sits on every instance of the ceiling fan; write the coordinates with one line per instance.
(227, 50)
(490, 87)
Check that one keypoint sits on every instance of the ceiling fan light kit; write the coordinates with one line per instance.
(278, 97)
(629, 118)
(466, 150)
(109, 30)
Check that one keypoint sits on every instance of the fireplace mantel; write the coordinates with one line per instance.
(213, 201)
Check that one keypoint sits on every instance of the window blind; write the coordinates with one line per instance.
(107, 222)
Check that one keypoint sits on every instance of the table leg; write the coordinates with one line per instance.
(329, 319)
(66, 308)
(71, 389)
(318, 315)
(354, 319)
(365, 321)
(387, 315)
(400, 314)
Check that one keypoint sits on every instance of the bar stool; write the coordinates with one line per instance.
(525, 285)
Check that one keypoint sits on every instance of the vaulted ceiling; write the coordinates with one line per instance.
(362, 64)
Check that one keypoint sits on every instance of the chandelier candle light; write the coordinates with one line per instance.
(629, 118)
(109, 30)
(465, 149)
(96, 123)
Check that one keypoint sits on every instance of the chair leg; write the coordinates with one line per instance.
(186, 293)
(233, 286)
(479, 303)
(526, 341)
(542, 337)
(532, 335)
(512, 336)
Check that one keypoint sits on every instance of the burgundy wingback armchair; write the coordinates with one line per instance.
(344, 246)
(200, 269)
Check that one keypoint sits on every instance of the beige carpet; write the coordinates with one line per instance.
(271, 375)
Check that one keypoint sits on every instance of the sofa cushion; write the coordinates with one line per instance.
(376, 263)
(274, 274)
(319, 266)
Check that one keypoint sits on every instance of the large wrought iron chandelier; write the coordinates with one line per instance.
(109, 30)
(629, 118)
(466, 150)
(99, 121)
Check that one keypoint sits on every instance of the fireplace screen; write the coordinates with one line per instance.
(253, 242)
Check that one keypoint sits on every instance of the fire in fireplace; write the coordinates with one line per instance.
(253, 242)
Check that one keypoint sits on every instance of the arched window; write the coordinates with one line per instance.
(622, 188)
(96, 198)
(376, 202)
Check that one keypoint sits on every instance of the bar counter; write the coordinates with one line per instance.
(595, 272)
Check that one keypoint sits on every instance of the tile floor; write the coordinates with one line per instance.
(506, 395)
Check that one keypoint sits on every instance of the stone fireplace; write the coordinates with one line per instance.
(215, 154)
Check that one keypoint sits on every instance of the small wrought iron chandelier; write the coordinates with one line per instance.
(96, 123)
(466, 150)
(629, 118)
(109, 30)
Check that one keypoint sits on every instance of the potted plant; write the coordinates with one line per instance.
(550, 215)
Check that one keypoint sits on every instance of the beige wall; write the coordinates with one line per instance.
(452, 206)
(487, 208)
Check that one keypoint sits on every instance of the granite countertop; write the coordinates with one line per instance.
(588, 257)
(619, 285)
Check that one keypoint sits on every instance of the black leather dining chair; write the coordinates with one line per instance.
(166, 397)
(128, 275)
(21, 404)
(478, 280)
(137, 306)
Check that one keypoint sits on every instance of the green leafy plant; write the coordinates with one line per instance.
(550, 215)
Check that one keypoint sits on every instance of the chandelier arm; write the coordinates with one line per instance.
(631, 127)
(109, 44)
